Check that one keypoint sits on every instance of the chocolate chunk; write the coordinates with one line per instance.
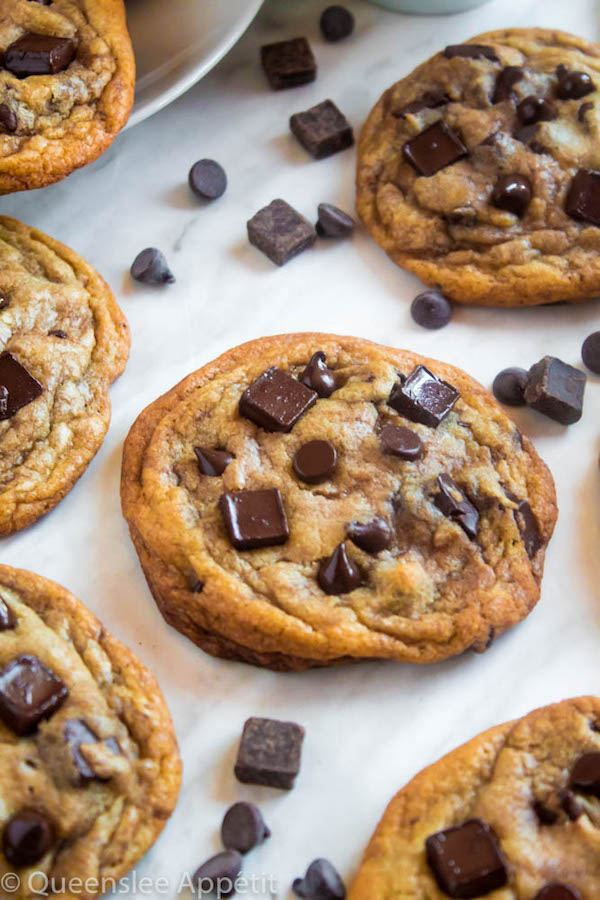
(435, 148)
(212, 462)
(8, 119)
(150, 267)
(58, 333)
(254, 518)
(512, 193)
(21, 388)
(76, 732)
(544, 813)
(27, 837)
(466, 860)
(585, 775)
(197, 586)
(556, 390)
(528, 529)
(431, 309)
(280, 232)
(336, 23)
(583, 199)
(590, 352)
(38, 54)
(207, 179)
(471, 51)
(509, 386)
(583, 110)
(288, 63)
(428, 100)
(270, 753)
(315, 462)
(396, 440)
(322, 130)
(321, 882)
(528, 134)
(317, 376)
(29, 692)
(339, 574)
(571, 805)
(466, 217)
(218, 875)
(243, 827)
(423, 397)
(573, 85)
(276, 401)
(505, 82)
(372, 537)
(4, 303)
(334, 222)
(8, 620)
(3, 401)
(532, 110)
(455, 505)
(557, 891)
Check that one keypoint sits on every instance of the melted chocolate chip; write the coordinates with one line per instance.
(466, 860)
(4, 303)
(38, 54)
(339, 574)
(21, 387)
(583, 110)
(583, 199)
(372, 537)
(545, 815)
(315, 462)
(528, 134)
(428, 100)
(528, 529)
(212, 462)
(512, 193)
(571, 805)
(29, 692)
(455, 505)
(557, 891)
(396, 440)
(254, 518)
(8, 620)
(27, 837)
(471, 51)
(58, 333)
(243, 827)
(276, 401)
(317, 376)
(8, 119)
(508, 77)
(573, 85)
(532, 110)
(434, 149)
(76, 732)
(585, 775)
(423, 397)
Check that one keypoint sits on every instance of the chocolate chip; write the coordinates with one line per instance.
(556, 390)
(372, 537)
(396, 440)
(557, 891)
(280, 232)
(532, 110)
(509, 386)
(571, 805)
(582, 112)
(218, 875)
(288, 63)
(528, 529)
(336, 23)
(58, 333)
(465, 217)
(512, 193)
(197, 586)
(38, 54)
(254, 518)
(339, 574)
(435, 148)
(27, 837)
(4, 303)
(212, 462)
(545, 815)
(76, 732)
(583, 199)
(573, 85)
(428, 100)
(455, 505)
(315, 461)
(466, 860)
(334, 222)
(20, 386)
(590, 352)
(29, 692)
(150, 267)
(321, 882)
(431, 309)
(471, 51)
(276, 401)
(318, 377)
(8, 620)
(322, 130)
(528, 134)
(585, 775)
(270, 753)
(8, 119)
(207, 179)
(505, 82)
(243, 827)
(423, 397)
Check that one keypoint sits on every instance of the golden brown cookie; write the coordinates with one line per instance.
(478, 171)
(414, 529)
(507, 815)
(63, 341)
(90, 764)
(67, 77)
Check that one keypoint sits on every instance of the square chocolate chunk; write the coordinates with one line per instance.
(280, 232)
(255, 518)
(435, 148)
(583, 199)
(275, 401)
(270, 753)
(288, 63)
(322, 130)
(38, 54)
(29, 692)
(20, 388)
(423, 397)
(556, 390)
(466, 860)
(455, 505)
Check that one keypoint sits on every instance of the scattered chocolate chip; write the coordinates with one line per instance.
(27, 837)
(528, 529)
(270, 753)
(318, 377)
(76, 732)
(471, 51)
(428, 100)
(315, 462)
(8, 620)
(29, 692)
(58, 333)
(557, 891)
(455, 505)
(212, 462)
(396, 440)
(466, 860)
(590, 352)
(545, 815)
(243, 827)
(276, 401)
(571, 805)
(339, 574)
(505, 82)
(556, 390)
(255, 518)
(423, 397)
(218, 875)
(431, 309)
(334, 222)
(372, 537)
(532, 110)
(509, 386)
(336, 23)
(435, 148)
(21, 387)
(322, 130)
(8, 119)
(321, 882)
(207, 179)
(512, 193)
(288, 63)
(280, 232)
(150, 267)
(585, 775)
(38, 54)
(583, 110)
(583, 199)
(573, 85)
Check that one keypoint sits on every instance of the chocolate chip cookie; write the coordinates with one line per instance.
(90, 764)
(515, 810)
(67, 78)
(480, 170)
(308, 499)
(63, 341)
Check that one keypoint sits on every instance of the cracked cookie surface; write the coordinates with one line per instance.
(466, 514)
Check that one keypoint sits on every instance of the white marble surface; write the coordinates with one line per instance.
(369, 727)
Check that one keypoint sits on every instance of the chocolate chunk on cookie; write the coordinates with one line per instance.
(466, 860)
(29, 692)
(434, 149)
(322, 130)
(20, 387)
(423, 397)
(270, 753)
(454, 504)
(255, 518)
(26, 837)
(280, 232)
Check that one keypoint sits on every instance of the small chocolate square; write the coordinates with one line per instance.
(288, 63)
(29, 692)
(423, 397)
(38, 54)
(466, 860)
(455, 505)
(255, 518)
(435, 148)
(322, 130)
(275, 401)
(583, 199)
(270, 753)
(556, 389)
(280, 232)
(20, 388)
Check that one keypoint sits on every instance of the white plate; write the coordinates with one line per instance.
(178, 42)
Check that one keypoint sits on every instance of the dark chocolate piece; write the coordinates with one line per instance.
(556, 390)
(212, 462)
(333, 222)
(317, 376)
(288, 63)
(27, 837)
(255, 518)
(528, 529)
(322, 130)
(590, 352)
(58, 333)
(243, 827)
(508, 77)
(315, 462)
(573, 85)
(466, 860)
(571, 804)
(336, 23)
(583, 199)
(455, 505)
(218, 875)
(428, 100)
(396, 440)
(339, 574)
(471, 51)
(276, 401)
(38, 54)
(423, 397)
(8, 119)
(280, 232)
(557, 891)
(372, 537)
(509, 386)
(207, 179)
(3, 401)
(151, 267)
(528, 134)
(431, 309)
(435, 148)
(532, 110)
(21, 388)
(512, 193)
(321, 882)
(585, 774)
(77, 732)
(270, 753)
(29, 692)
(8, 620)
(545, 814)
(582, 112)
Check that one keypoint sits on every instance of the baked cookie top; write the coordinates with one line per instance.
(67, 78)
(478, 171)
(63, 341)
(413, 528)
(516, 809)
(90, 764)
